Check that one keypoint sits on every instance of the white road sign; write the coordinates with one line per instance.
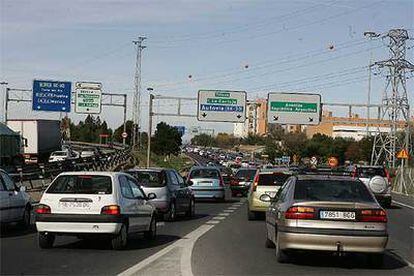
(88, 97)
(294, 108)
(221, 106)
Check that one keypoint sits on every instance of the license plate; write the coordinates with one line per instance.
(271, 194)
(206, 183)
(75, 205)
(337, 215)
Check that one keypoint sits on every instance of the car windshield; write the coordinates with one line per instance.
(371, 172)
(204, 173)
(149, 178)
(273, 179)
(246, 174)
(332, 190)
(81, 184)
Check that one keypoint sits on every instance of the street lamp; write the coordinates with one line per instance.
(5, 83)
(150, 90)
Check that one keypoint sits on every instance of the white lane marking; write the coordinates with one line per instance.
(218, 217)
(402, 204)
(160, 224)
(186, 245)
(228, 211)
(232, 208)
(402, 259)
(213, 221)
(412, 227)
(224, 214)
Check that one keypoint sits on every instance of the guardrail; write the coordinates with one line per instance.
(38, 176)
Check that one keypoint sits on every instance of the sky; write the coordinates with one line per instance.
(254, 46)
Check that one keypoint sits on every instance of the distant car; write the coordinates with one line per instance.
(242, 180)
(173, 194)
(87, 153)
(59, 156)
(207, 183)
(15, 203)
(265, 182)
(377, 179)
(87, 204)
(325, 213)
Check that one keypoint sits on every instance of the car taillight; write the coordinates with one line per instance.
(300, 212)
(255, 182)
(111, 210)
(42, 209)
(376, 215)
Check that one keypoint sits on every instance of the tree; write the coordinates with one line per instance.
(225, 140)
(203, 140)
(166, 140)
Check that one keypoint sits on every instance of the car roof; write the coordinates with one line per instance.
(369, 167)
(152, 169)
(104, 173)
(204, 168)
(326, 177)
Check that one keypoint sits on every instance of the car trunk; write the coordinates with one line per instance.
(76, 203)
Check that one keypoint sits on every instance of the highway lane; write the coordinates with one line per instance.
(21, 255)
(236, 246)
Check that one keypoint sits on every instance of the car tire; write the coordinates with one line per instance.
(46, 240)
(376, 260)
(191, 209)
(251, 215)
(25, 221)
(171, 215)
(281, 255)
(120, 241)
(152, 232)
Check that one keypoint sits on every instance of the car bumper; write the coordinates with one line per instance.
(239, 189)
(217, 193)
(334, 243)
(79, 227)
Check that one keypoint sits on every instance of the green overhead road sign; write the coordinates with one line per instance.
(221, 106)
(294, 108)
(88, 97)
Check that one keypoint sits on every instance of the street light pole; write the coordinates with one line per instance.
(5, 83)
(151, 99)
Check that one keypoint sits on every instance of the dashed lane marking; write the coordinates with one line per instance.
(218, 217)
(224, 214)
(403, 204)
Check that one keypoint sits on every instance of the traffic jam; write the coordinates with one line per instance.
(335, 210)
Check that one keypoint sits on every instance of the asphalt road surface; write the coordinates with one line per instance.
(218, 241)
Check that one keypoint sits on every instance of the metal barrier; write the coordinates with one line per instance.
(38, 177)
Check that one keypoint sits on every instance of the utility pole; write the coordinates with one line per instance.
(136, 107)
(396, 108)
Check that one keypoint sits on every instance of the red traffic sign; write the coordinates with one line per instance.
(333, 162)
(124, 135)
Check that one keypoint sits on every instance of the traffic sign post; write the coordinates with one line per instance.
(221, 106)
(51, 95)
(124, 135)
(294, 108)
(88, 97)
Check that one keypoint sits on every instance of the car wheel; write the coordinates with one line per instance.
(46, 240)
(152, 232)
(376, 260)
(25, 221)
(251, 215)
(120, 240)
(172, 212)
(281, 255)
(191, 209)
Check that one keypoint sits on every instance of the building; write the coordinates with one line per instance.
(348, 127)
(256, 120)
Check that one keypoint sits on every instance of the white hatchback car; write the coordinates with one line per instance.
(85, 204)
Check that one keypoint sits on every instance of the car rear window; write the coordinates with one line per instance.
(204, 173)
(246, 174)
(371, 172)
(272, 179)
(81, 184)
(149, 179)
(332, 190)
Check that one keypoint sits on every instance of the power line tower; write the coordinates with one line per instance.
(396, 108)
(136, 105)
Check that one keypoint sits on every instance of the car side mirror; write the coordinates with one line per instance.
(265, 198)
(22, 188)
(151, 196)
(190, 183)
